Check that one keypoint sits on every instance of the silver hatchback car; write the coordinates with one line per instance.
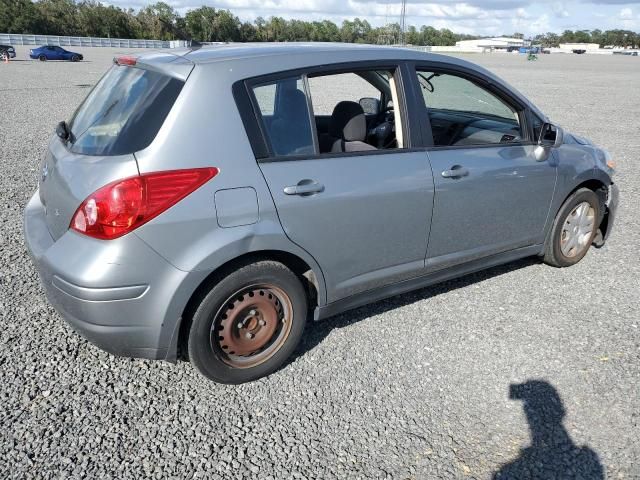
(203, 203)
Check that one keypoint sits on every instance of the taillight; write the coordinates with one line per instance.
(125, 60)
(122, 206)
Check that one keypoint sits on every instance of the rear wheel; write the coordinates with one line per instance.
(248, 324)
(42, 58)
(574, 229)
(75, 58)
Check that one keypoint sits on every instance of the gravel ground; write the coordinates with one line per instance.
(417, 386)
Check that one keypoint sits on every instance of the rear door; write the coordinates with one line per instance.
(491, 195)
(364, 215)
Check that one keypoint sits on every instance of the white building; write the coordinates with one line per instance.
(589, 47)
(484, 45)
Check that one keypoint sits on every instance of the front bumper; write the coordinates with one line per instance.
(119, 294)
(611, 209)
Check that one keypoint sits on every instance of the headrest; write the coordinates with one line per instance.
(293, 104)
(348, 122)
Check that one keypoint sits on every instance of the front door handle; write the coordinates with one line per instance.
(304, 188)
(457, 171)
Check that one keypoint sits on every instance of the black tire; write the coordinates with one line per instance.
(42, 58)
(75, 58)
(204, 349)
(553, 254)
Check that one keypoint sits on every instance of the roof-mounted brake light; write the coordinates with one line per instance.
(125, 60)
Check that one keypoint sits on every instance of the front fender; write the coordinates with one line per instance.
(577, 164)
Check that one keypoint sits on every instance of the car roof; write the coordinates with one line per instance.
(228, 51)
(271, 57)
(293, 54)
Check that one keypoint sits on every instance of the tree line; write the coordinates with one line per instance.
(207, 24)
(615, 38)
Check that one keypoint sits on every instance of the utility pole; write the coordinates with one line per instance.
(403, 22)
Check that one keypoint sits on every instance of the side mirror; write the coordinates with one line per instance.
(551, 136)
(370, 105)
(62, 130)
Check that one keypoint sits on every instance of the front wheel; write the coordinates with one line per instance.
(248, 324)
(574, 229)
(42, 58)
(75, 58)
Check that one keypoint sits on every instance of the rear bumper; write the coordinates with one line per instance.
(120, 294)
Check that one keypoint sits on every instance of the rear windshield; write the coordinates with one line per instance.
(124, 112)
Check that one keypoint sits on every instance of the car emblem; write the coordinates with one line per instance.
(45, 172)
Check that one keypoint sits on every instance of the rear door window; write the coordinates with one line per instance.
(124, 112)
(285, 115)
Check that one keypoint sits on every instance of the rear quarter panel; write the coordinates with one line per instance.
(204, 129)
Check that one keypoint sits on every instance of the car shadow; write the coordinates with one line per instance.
(552, 453)
(316, 331)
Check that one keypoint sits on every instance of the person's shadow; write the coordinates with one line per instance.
(552, 454)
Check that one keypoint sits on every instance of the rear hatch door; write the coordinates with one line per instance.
(66, 179)
(121, 115)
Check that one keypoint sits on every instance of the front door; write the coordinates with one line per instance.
(362, 213)
(491, 195)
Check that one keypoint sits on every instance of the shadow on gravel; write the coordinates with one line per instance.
(552, 454)
(317, 331)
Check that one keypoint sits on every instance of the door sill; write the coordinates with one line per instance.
(432, 278)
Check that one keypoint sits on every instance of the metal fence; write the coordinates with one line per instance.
(20, 39)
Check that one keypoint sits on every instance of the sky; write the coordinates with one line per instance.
(479, 17)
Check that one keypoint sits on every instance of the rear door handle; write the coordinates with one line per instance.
(457, 171)
(304, 188)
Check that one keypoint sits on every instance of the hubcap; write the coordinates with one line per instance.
(577, 230)
(252, 325)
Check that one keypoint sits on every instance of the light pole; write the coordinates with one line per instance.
(403, 16)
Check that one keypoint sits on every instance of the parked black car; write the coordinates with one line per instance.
(7, 51)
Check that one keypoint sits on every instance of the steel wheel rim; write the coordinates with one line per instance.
(577, 230)
(252, 325)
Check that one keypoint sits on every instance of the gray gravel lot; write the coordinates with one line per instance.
(413, 387)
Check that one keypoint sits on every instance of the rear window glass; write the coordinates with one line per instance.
(124, 112)
(285, 116)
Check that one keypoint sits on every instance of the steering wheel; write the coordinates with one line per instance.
(383, 134)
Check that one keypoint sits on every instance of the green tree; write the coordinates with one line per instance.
(59, 17)
(158, 21)
(200, 23)
(20, 16)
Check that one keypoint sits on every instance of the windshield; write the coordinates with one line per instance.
(124, 112)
